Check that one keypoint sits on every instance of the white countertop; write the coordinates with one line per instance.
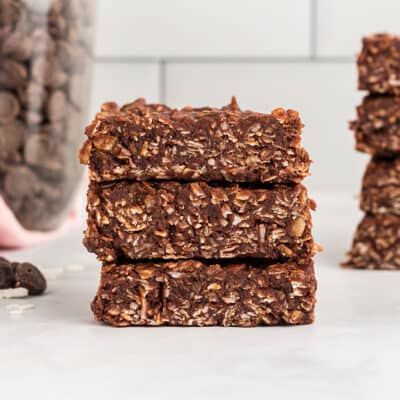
(352, 351)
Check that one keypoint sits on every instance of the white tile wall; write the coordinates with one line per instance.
(123, 82)
(324, 94)
(342, 23)
(269, 53)
(160, 28)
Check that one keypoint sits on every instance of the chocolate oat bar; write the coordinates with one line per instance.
(379, 64)
(195, 293)
(381, 187)
(377, 127)
(172, 220)
(376, 243)
(154, 142)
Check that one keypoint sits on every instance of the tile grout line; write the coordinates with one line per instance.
(162, 84)
(223, 60)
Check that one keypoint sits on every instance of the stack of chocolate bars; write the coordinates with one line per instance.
(199, 217)
(376, 243)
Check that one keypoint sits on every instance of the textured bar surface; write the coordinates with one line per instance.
(376, 244)
(381, 187)
(379, 64)
(192, 293)
(171, 220)
(155, 142)
(377, 127)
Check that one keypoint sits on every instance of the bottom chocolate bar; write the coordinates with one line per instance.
(195, 293)
(376, 243)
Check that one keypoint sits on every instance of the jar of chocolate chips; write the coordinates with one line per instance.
(45, 57)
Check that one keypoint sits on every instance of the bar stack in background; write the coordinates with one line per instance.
(376, 243)
(199, 216)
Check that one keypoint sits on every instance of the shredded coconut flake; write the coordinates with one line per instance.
(13, 293)
(75, 267)
(16, 308)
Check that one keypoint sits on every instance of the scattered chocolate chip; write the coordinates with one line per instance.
(6, 274)
(29, 277)
(76, 87)
(58, 77)
(66, 53)
(58, 26)
(32, 117)
(21, 275)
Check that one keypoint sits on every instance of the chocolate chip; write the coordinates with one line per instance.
(26, 275)
(20, 182)
(12, 74)
(76, 88)
(33, 96)
(11, 12)
(41, 70)
(9, 107)
(43, 151)
(56, 106)
(58, 76)
(44, 44)
(6, 274)
(17, 46)
(29, 277)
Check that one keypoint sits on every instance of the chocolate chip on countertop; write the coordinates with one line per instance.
(6, 274)
(11, 138)
(29, 277)
(26, 275)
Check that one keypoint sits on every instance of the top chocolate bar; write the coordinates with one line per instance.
(379, 64)
(154, 142)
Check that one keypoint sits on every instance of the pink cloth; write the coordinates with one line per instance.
(14, 235)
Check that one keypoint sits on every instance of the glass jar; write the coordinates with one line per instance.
(45, 58)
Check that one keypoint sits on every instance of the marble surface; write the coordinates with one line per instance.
(57, 350)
